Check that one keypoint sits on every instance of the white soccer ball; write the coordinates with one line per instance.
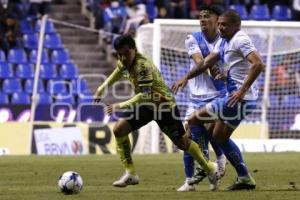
(70, 182)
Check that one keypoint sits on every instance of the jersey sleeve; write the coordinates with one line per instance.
(191, 45)
(245, 45)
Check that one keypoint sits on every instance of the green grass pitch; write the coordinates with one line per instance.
(35, 178)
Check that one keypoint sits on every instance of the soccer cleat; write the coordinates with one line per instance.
(221, 162)
(199, 175)
(126, 179)
(214, 178)
(247, 183)
(186, 187)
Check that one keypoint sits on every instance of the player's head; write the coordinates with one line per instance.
(229, 23)
(208, 17)
(126, 49)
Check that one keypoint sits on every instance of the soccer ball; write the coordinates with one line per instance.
(70, 182)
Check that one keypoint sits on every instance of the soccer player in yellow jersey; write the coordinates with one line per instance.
(152, 101)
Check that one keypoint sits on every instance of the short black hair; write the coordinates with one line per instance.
(233, 16)
(217, 10)
(124, 40)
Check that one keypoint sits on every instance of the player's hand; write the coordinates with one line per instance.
(179, 84)
(111, 108)
(221, 77)
(236, 97)
(97, 97)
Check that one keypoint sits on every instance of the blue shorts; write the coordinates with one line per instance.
(230, 115)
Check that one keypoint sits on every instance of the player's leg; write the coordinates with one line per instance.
(121, 130)
(222, 133)
(220, 157)
(188, 162)
(171, 125)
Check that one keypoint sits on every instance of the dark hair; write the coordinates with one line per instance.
(232, 15)
(124, 40)
(217, 10)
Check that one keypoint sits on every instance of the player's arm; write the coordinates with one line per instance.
(145, 79)
(201, 66)
(257, 66)
(113, 77)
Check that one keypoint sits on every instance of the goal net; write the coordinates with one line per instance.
(277, 42)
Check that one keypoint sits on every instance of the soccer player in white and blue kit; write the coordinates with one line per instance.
(242, 65)
(203, 89)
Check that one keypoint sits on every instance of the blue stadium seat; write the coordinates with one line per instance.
(29, 86)
(260, 12)
(44, 99)
(4, 98)
(79, 86)
(281, 13)
(68, 71)
(273, 100)
(48, 71)
(241, 9)
(65, 99)
(6, 71)
(2, 57)
(11, 86)
(30, 41)
(85, 97)
(56, 87)
(33, 56)
(49, 29)
(53, 41)
(17, 56)
(60, 57)
(20, 98)
(25, 27)
(290, 101)
(25, 71)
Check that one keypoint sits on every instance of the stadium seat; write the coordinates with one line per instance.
(11, 86)
(79, 86)
(25, 71)
(48, 71)
(281, 13)
(29, 86)
(44, 99)
(6, 71)
(49, 29)
(17, 56)
(65, 99)
(2, 57)
(30, 41)
(241, 9)
(56, 87)
(85, 97)
(68, 71)
(52, 41)
(290, 101)
(60, 57)
(25, 27)
(260, 12)
(20, 98)
(4, 98)
(33, 56)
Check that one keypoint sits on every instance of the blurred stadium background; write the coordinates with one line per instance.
(54, 54)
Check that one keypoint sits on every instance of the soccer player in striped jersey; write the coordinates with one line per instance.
(203, 89)
(153, 101)
(242, 65)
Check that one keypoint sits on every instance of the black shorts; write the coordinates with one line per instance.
(168, 120)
